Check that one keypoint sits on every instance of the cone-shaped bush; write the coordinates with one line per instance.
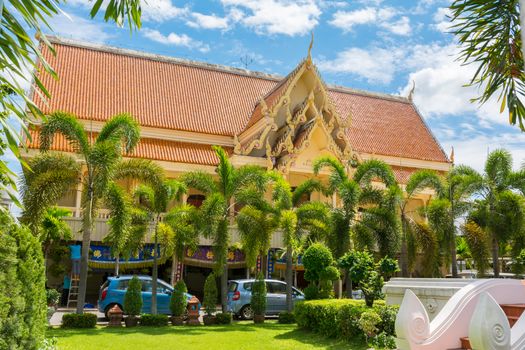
(258, 301)
(133, 297)
(210, 294)
(178, 299)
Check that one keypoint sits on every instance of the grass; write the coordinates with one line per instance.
(238, 336)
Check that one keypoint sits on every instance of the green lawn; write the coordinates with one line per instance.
(241, 335)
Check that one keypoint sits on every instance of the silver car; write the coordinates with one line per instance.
(240, 294)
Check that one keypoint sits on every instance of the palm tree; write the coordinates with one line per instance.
(286, 211)
(102, 160)
(376, 224)
(119, 223)
(216, 208)
(182, 220)
(452, 203)
(499, 209)
(47, 179)
(412, 233)
(53, 229)
(154, 202)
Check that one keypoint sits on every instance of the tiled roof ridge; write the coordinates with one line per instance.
(211, 66)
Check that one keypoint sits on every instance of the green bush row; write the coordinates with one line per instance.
(86, 320)
(339, 318)
(286, 317)
(154, 320)
(223, 318)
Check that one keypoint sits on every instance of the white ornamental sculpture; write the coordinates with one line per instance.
(489, 327)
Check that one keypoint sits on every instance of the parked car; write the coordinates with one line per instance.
(240, 294)
(113, 290)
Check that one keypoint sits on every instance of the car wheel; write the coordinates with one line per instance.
(246, 312)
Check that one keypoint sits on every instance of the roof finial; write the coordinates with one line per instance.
(411, 92)
(310, 47)
(452, 155)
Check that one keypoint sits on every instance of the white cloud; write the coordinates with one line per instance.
(472, 148)
(175, 39)
(74, 27)
(199, 20)
(442, 20)
(381, 17)
(276, 16)
(375, 65)
(161, 10)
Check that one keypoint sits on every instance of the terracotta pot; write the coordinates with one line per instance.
(177, 320)
(258, 318)
(209, 320)
(131, 321)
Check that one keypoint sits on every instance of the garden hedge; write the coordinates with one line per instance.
(339, 318)
(85, 320)
(223, 318)
(154, 320)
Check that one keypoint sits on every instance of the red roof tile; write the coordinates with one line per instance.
(96, 83)
(171, 151)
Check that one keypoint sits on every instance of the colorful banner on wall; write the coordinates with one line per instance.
(101, 257)
(205, 255)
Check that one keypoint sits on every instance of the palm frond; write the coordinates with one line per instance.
(225, 172)
(338, 173)
(374, 169)
(50, 176)
(498, 167)
(67, 125)
(119, 222)
(200, 181)
(422, 179)
(123, 129)
(307, 187)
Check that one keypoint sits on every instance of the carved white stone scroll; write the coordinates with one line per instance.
(412, 323)
(489, 328)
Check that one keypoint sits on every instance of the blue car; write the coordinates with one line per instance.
(240, 294)
(113, 290)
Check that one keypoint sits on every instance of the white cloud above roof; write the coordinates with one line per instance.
(175, 39)
(386, 18)
(276, 16)
(199, 20)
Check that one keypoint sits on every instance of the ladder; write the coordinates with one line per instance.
(72, 297)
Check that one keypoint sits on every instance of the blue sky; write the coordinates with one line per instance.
(374, 45)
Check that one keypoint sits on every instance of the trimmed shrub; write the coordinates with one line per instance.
(154, 320)
(368, 323)
(319, 271)
(178, 301)
(258, 300)
(210, 294)
(133, 297)
(286, 318)
(23, 307)
(85, 320)
(339, 318)
(223, 318)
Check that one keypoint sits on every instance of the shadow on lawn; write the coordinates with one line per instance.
(186, 330)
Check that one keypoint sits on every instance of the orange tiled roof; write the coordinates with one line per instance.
(171, 151)
(98, 82)
(402, 173)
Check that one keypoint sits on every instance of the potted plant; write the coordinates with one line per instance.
(258, 301)
(210, 299)
(133, 302)
(178, 303)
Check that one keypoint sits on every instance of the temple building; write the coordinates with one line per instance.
(185, 107)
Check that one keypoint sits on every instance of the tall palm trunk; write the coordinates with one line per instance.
(174, 268)
(87, 224)
(403, 258)
(289, 279)
(154, 275)
(348, 285)
(224, 288)
(495, 256)
(117, 265)
(453, 256)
